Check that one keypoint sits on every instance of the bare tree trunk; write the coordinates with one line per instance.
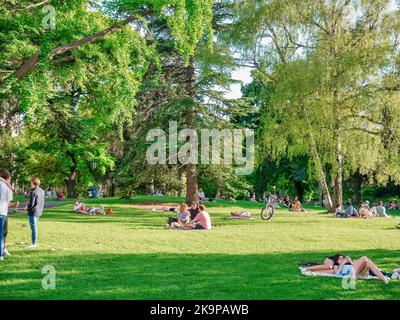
(321, 174)
(192, 188)
(338, 189)
(318, 164)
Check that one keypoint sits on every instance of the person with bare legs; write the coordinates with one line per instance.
(363, 266)
(80, 208)
(183, 217)
(327, 267)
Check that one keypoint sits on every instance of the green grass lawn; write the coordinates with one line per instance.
(130, 255)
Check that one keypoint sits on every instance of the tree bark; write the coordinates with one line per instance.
(338, 189)
(299, 190)
(180, 188)
(192, 188)
(357, 184)
(318, 164)
(71, 185)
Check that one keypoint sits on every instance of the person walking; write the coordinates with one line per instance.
(35, 209)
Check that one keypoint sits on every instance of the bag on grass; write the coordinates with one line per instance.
(171, 220)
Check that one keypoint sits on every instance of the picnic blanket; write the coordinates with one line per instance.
(305, 272)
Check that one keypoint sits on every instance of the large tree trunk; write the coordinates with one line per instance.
(299, 190)
(357, 184)
(71, 185)
(192, 188)
(180, 188)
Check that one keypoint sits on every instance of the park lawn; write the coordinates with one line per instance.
(130, 255)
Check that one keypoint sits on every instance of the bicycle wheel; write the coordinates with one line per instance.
(267, 212)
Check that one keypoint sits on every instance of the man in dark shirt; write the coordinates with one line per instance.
(35, 209)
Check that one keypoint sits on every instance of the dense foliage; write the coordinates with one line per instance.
(77, 100)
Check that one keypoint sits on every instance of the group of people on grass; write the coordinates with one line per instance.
(34, 208)
(81, 208)
(365, 211)
(194, 217)
(342, 265)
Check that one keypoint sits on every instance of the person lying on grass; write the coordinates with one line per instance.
(202, 220)
(82, 208)
(342, 265)
(183, 217)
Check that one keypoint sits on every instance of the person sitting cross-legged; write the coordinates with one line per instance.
(183, 217)
(202, 220)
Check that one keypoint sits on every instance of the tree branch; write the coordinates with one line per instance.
(33, 61)
(31, 6)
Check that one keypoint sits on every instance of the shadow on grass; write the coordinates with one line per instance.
(186, 276)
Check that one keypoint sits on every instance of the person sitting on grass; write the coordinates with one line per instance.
(381, 211)
(339, 212)
(374, 209)
(365, 211)
(296, 206)
(194, 210)
(393, 205)
(286, 201)
(357, 269)
(183, 217)
(202, 220)
(350, 210)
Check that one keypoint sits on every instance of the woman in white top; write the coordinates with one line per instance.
(6, 196)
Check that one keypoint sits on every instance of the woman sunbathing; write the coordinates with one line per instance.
(83, 209)
(80, 208)
(341, 265)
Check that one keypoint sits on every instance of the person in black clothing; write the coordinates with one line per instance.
(35, 209)
(194, 210)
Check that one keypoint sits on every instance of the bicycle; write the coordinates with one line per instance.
(268, 211)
